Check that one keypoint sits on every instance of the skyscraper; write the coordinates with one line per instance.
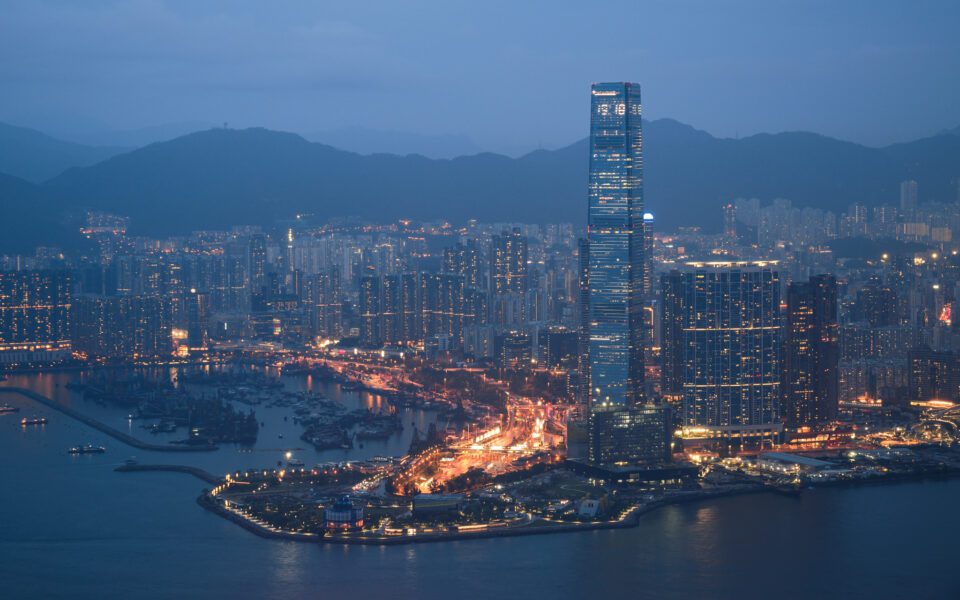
(35, 316)
(622, 429)
(721, 350)
(615, 235)
(811, 354)
(508, 262)
(647, 256)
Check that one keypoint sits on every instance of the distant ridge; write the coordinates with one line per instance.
(35, 156)
(221, 177)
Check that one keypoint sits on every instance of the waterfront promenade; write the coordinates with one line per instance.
(103, 427)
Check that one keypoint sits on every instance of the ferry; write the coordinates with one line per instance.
(87, 449)
(7, 409)
(33, 421)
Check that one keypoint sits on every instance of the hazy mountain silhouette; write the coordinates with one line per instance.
(36, 156)
(220, 177)
(31, 219)
(133, 138)
(369, 141)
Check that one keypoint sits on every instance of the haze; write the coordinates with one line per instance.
(511, 76)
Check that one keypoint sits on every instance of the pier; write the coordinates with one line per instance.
(196, 472)
(103, 427)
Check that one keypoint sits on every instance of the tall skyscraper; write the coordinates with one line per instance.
(615, 235)
(812, 353)
(722, 349)
(622, 429)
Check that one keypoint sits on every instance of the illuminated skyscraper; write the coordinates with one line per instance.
(622, 428)
(35, 316)
(721, 349)
(615, 236)
(647, 256)
(508, 263)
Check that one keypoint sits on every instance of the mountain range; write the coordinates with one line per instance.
(221, 177)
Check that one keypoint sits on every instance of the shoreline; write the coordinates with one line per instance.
(632, 519)
(103, 427)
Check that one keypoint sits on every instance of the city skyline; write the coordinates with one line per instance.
(654, 363)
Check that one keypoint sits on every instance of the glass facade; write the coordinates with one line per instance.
(615, 237)
(722, 345)
(634, 435)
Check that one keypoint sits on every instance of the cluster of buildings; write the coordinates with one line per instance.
(723, 339)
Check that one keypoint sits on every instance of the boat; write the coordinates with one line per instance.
(7, 409)
(87, 449)
(33, 421)
(294, 462)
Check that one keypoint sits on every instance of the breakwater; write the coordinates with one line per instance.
(196, 472)
(103, 427)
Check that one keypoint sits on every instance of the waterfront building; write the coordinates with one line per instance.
(35, 316)
(722, 349)
(122, 327)
(622, 427)
(811, 355)
(343, 515)
(615, 237)
(633, 435)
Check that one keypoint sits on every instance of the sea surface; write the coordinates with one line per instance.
(71, 527)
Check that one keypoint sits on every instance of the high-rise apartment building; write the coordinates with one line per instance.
(35, 316)
(508, 263)
(811, 352)
(722, 348)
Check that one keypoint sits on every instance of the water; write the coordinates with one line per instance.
(73, 528)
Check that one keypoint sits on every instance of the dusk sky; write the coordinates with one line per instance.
(510, 75)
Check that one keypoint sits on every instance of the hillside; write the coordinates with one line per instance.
(220, 177)
(35, 156)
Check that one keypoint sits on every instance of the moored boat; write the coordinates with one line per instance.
(87, 449)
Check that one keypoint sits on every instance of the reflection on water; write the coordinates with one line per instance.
(72, 527)
(278, 433)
